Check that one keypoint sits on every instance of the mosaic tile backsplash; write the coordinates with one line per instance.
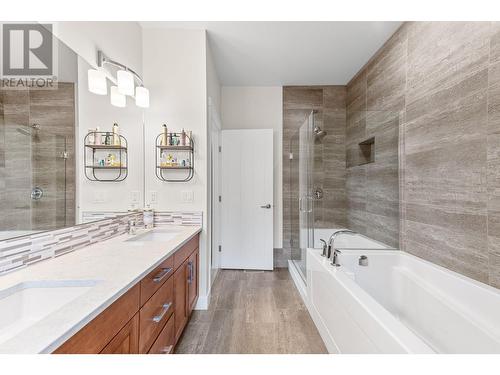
(23, 251)
(177, 218)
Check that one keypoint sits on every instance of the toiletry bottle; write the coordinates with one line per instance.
(91, 137)
(148, 217)
(164, 137)
(170, 140)
(183, 137)
(110, 160)
(116, 135)
(97, 137)
(107, 139)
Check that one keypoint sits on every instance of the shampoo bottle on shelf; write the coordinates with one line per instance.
(183, 138)
(97, 137)
(107, 139)
(116, 135)
(164, 136)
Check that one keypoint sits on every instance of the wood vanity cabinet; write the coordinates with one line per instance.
(150, 317)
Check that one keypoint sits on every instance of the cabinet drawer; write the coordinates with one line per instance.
(154, 314)
(164, 344)
(185, 251)
(155, 279)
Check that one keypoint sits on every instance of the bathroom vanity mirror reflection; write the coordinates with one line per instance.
(42, 169)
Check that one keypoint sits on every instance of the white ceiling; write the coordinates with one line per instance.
(289, 53)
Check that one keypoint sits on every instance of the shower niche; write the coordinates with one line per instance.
(367, 151)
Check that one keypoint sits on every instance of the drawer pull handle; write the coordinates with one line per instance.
(161, 275)
(166, 307)
(167, 349)
(190, 272)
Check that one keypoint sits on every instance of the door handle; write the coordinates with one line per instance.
(266, 206)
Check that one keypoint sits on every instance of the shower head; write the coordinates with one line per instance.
(24, 131)
(318, 132)
(29, 130)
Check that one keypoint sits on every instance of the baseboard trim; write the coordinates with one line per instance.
(202, 303)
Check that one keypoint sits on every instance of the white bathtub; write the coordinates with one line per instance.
(399, 304)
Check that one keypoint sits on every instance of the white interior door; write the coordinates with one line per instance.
(247, 199)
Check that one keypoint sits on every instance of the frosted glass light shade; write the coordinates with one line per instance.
(97, 82)
(117, 99)
(126, 83)
(142, 97)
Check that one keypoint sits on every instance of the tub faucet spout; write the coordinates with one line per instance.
(331, 242)
(335, 258)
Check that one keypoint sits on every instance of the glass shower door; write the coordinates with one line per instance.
(301, 186)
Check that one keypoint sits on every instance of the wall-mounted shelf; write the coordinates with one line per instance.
(106, 147)
(93, 152)
(174, 163)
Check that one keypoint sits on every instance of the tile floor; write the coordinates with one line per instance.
(252, 312)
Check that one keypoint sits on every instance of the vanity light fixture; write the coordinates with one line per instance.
(97, 82)
(117, 98)
(125, 81)
(142, 97)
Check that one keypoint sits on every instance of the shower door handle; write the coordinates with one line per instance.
(309, 200)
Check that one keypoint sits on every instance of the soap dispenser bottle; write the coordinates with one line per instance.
(148, 217)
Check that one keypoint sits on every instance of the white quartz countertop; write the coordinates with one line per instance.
(117, 264)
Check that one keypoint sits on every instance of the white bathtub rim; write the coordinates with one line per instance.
(399, 332)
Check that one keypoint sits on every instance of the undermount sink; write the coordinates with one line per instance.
(24, 304)
(160, 235)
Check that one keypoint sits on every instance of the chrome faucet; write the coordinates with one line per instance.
(131, 227)
(325, 246)
(336, 252)
(335, 257)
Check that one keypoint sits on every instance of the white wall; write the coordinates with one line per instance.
(96, 110)
(121, 41)
(174, 67)
(259, 108)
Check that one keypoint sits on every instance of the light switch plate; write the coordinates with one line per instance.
(134, 196)
(99, 197)
(187, 196)
(153, 197)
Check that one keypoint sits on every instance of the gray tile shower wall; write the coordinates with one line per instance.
(375, 105)
(443, 78)
(40, 154)
(329, 159)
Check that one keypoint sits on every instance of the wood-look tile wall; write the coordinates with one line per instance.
(29, 161)
(443, 78)
(375, 106)
(329, 158)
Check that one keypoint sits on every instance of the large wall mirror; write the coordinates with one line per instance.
(43, 158)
